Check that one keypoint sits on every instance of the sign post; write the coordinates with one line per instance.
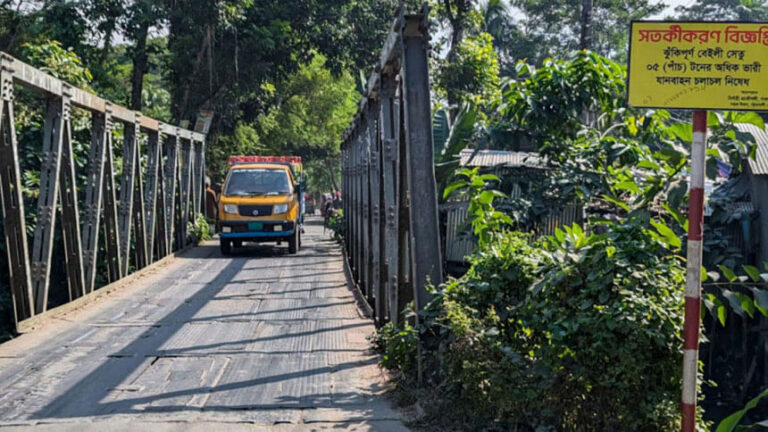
(693, 270)
(698, 66)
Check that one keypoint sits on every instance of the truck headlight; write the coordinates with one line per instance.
(280, 209)
(230, 208)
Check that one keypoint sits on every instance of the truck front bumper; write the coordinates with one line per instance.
(267, 230)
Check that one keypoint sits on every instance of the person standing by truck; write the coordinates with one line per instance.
(211, 203)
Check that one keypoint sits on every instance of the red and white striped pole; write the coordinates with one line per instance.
(693, 270)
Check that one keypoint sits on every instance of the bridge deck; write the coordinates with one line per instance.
(260, 340)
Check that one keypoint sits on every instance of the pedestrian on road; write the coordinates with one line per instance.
(211, 203)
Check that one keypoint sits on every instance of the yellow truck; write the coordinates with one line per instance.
(261, 201)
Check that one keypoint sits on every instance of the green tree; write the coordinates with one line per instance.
(313, 110)
(473, 74)
(554, 28)
(736, 10)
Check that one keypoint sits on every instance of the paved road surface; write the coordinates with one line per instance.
(262, 340)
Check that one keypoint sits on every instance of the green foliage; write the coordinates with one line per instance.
(618, 313)
(580, 332)
(198, 230)
(552, 27)
(450, 137)
(314, 109)
(398, 346)
(486, 220)
(62, 63)
(744, 295)
(336, 223)
(545, 105)
(244, 140)
(474, 75)
(724, 10)
(731, 423)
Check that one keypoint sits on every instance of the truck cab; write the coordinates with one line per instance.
(260, 202)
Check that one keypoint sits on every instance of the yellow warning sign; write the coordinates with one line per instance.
(698, 65)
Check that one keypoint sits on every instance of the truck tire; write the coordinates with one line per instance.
(293, 242)
(225, 246)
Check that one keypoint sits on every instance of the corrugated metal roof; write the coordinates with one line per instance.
(759, 165)
(487, 158)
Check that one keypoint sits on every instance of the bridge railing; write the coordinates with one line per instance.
(142, 219)
(389, 194)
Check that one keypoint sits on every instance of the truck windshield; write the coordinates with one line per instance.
(249, 182)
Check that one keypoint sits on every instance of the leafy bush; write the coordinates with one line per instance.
(199, 230)
(336, 223)
(398, 345)
(606, 319)
(580, 332)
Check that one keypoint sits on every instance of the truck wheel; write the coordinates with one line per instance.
(237, 243)
(225, 246)
(293, 242)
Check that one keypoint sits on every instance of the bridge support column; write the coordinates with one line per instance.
(185, 186)
(48, 194)
(111, 221)
(14, 226)
(425, 234)
(94, 192)
(171, 148)
(70, 215)
(150, 191)
(390, 130)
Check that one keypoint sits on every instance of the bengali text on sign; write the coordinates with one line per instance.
(698, 65)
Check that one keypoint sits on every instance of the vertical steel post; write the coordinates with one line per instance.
(359, 208)
(355, 213)
(197, 178)
(127, 182)
(12, 202)
(425, 234)
(171, 175)
(693, 270)
(70, 215)
(42, 245)
(365, 140)
(404, 267)
(390, 131)
(186, 186)
(160, 207)
(343, 184)
(138, 216)
(94, 191)
(377, 288)
(111, 221)
(150, 190)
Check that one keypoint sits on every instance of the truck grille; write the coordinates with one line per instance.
(255, 210)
